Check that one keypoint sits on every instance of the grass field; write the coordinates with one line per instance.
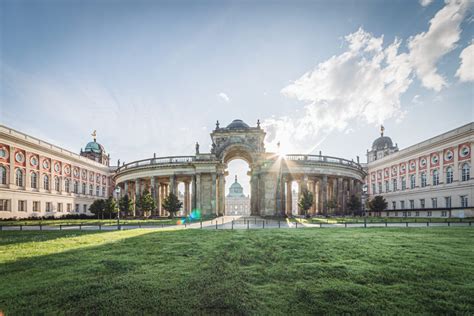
(57, 222)
(307, 271)
(336, 220)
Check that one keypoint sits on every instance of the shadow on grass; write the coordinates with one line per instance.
(15, 237)
(249, 272)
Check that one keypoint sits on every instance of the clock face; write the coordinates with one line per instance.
(423, 162)
(449, 155)
(34, 161)
(465, 151)
(434, 159)
(19, 157)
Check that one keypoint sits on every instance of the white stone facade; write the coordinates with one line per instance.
(432, 178)
(40, 179)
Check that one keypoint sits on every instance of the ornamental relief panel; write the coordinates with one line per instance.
(20, 157)
(464, 151)
(4, 153)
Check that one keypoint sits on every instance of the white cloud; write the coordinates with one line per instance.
(465, 71)
(365, 82)
(416, 99)
(427, 48)
(425, 3)
(224, 96)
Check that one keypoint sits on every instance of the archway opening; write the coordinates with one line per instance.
(295, 198)
(237, 188)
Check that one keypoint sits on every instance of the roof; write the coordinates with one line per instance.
(382, 142)
(237, 124)
(94, 147)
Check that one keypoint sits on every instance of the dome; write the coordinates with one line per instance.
(382, 142)
(236, 189)
(237, 124)
(94, 147)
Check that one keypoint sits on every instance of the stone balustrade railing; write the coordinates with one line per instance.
(325, 159)
(156, 161)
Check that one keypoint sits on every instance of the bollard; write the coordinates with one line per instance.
(406, 224)
(232, 225)
(255, 221)
(201, 223)
(345, 224)
(427, 224)
(320, 225)
(385, 223)
(162, 225)
(279, 224)
(1, 227)
(60, 227)
(296, 224)
(216, 224)
(247, 224)
(80, 226)
(184, 224)
(365, 222)
(470, 223)
(21, 227)
(449, 224)
(263, 224)
(139, 225)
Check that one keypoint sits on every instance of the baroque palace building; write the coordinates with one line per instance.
(236, 202)
(431, 178)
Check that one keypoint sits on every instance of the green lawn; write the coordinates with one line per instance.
(335, 220)
(57, 222)
(306, 271)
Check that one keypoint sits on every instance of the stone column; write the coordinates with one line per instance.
(12, 173)
(221, 198)
(193, 196)
(213, 193)
(289, 198)
(154, 193)
(313, 191)
(254, 195)
(324, 195)
(186, 197)
(137, 194)
(172, 185)
(282, 209)
(198, 191)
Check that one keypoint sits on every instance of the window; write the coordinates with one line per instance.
(404, 184)
(396, 214)
(60, 207)
(48, 207)
(402, 205)
(5, 205)
(417, 213)
(465, 174)
(412, 181)
(83, 188)
(66, 185)
(388, 214)
(380, 187)
(412, 204)
(21, 206)
(34, 180)
(3, 175)
(435, 177)
(57, 185)
(84, 208)
(447, 201)
(449, 175)
(387, 187)
(409, 214)
(19, 177)
(373, 188)
(404, 214)
(423, 179)
(36, 206)
(422, 203)
(428, 213)
(46, 182)
(103, 191)
(90, 189)
(463, 200)
(443, 213)
(68, 207)
(76, 209)
(394, 205)
(394, 184)
(76, 187)
(97, 190)
(434, 203)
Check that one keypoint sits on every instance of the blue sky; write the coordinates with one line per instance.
(154, 76)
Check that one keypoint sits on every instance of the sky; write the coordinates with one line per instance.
(154, 76)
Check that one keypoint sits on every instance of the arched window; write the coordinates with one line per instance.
(90, 189)
(34, 180)
(76, 187)
(46, 182)
(435, 177)
(66, 185)
(3, 175)
(412, 181)
(83, 188)
(466, 172)
(57, 185)
(423, 179)
(449, 175)
(97, 191)
(19, 177)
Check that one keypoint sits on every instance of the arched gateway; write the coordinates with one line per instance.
(328, 178)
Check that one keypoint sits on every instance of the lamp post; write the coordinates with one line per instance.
(117, 193)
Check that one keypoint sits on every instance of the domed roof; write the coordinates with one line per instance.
(236, 189)
(382, 142)
(94, 147)
(237, 124)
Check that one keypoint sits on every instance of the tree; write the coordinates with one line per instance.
(111, 207)
(354, 204)
(126, 204)
(331, 205)
(305, 202)
(378, 204)
(172, 204)
(145, 202)
(97, 207)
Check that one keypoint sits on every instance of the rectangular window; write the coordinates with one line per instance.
(60, 207)
(464, 201)
(422, 203)
(21, 206)
(387, 188)
(417, 213)
(48, 207)
(380, 187)
(103, 191)
(84, 208)
(434, 203)
(428, 213)
(409, 214)
(423, 180)
(394, 205)
(443, 213)
(396, 214)
(69, 206)
(77, 208)
(388, 214)
(97, 191)
(404, 214)
(402, 205)
(90, 189)
(394, 184)
(412, 182)
(412, 204)
(373, 188)
(5, 205)
(404, 183)
(36, 206)
(447, 201)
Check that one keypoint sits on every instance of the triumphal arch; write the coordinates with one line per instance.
(332, 180)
